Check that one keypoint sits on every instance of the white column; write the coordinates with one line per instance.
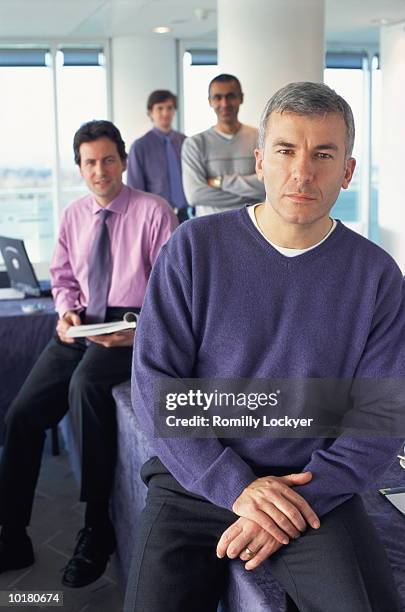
(139, 65)
(391, 202)
(269, 43)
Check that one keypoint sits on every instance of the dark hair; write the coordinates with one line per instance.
(93, 130)
(160, 95)
(306, 98)
(225, 78)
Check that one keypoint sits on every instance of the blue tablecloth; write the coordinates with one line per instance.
(22, 338)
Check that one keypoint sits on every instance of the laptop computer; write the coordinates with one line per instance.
(19, 269)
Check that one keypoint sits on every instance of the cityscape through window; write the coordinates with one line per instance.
(38, 177)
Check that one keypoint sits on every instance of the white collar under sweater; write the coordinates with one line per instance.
(284, 250)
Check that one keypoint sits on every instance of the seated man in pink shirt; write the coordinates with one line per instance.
(107, 244)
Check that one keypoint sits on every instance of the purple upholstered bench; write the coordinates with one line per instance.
(256, 590)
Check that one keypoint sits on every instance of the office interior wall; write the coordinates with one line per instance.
(139, 65)
(269, 43)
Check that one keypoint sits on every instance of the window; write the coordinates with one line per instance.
(345, 74)
(47, 93)
(348, 82)
(26, 154)
(81, 95)
(198, 115)
(376, 115)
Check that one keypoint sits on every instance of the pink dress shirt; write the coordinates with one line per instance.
(140, 225)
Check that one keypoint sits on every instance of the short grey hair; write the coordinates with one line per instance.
(306, 98)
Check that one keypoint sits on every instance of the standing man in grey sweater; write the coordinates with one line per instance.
(218, 164)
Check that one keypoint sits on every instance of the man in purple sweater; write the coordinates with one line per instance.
(279, 290)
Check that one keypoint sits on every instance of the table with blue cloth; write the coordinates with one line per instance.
(22, 338)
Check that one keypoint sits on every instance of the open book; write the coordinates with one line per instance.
(396, 496)
(98, 329)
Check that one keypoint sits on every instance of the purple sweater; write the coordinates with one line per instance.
(222, 302)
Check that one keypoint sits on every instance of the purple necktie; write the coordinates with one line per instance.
(177, 197)
(99, 274)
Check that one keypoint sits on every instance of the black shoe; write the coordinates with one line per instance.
(16, 553)
(90, 557)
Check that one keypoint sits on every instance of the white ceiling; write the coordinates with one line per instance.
(358, 21)
(347, 21)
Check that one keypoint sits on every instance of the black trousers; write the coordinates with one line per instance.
(341, 567)
(74, 376)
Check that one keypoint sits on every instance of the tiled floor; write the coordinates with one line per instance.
(57, 517)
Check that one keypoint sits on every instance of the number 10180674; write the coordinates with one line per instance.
(25, 598)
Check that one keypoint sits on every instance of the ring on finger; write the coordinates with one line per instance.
(249, 553)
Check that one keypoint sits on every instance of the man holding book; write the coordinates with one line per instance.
(107, 244)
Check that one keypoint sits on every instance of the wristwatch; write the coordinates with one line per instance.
(217, 182)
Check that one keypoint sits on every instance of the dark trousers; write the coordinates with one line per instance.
(342, 567)
(65, 376)
(183, 214)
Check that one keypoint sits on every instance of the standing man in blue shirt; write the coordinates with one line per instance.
(154, 159)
